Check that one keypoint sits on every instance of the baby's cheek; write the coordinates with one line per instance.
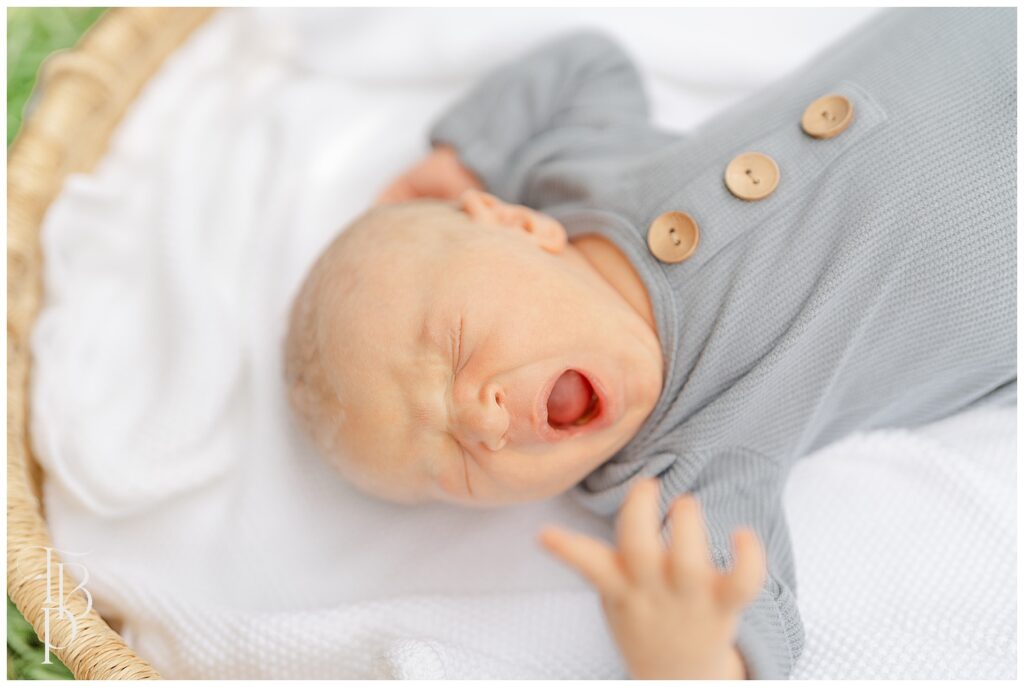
(450, 484)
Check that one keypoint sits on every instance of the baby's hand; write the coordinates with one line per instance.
(673, 615)
(438, 175)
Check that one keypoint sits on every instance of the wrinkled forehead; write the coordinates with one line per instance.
(373, 310)
(374, 299)
(378, 455)
(382, 274)
(374, 447)
(378, 446)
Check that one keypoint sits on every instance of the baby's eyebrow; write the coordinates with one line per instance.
(420, 415)
(427, 337)
(431, 339)
(434, 338)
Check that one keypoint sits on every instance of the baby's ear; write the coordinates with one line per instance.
(547, 232)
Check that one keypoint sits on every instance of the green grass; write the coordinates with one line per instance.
(32, 34)
(25, 652)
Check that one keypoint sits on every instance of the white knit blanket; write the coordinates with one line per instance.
(223, 549)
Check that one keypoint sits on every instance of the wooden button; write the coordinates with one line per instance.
(673, 236)
(752, 176)
(827, 116)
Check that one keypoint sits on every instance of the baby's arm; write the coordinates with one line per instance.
(439, 175)
(737, 489)
(673, 615)
(581, 80)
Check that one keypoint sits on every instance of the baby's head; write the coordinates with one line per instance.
(465, 351)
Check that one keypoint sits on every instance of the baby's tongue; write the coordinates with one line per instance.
(569, 398)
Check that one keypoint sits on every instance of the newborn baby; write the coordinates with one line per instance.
(561, 294)
(467, 351)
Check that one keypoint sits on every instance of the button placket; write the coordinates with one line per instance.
(752, 176)
(828, 116)
(708, 199)
(673, 236)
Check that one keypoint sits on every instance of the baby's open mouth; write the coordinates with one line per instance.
(573, 401)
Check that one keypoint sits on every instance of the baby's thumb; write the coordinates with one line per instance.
(397, 192)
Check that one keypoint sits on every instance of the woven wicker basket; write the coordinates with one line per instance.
(81, 97)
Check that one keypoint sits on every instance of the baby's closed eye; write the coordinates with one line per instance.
(458, 337)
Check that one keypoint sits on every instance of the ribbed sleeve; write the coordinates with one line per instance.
(738, 487)
(578, 81)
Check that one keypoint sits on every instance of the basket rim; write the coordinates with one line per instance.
(79, 99)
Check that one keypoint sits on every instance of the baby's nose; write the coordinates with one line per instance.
(485, 419)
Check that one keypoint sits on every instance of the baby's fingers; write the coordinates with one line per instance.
(593, 559)
(638, 533)
(690, 555)
(742, 584)
(398, 191)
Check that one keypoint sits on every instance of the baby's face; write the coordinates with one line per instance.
(469, 353)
